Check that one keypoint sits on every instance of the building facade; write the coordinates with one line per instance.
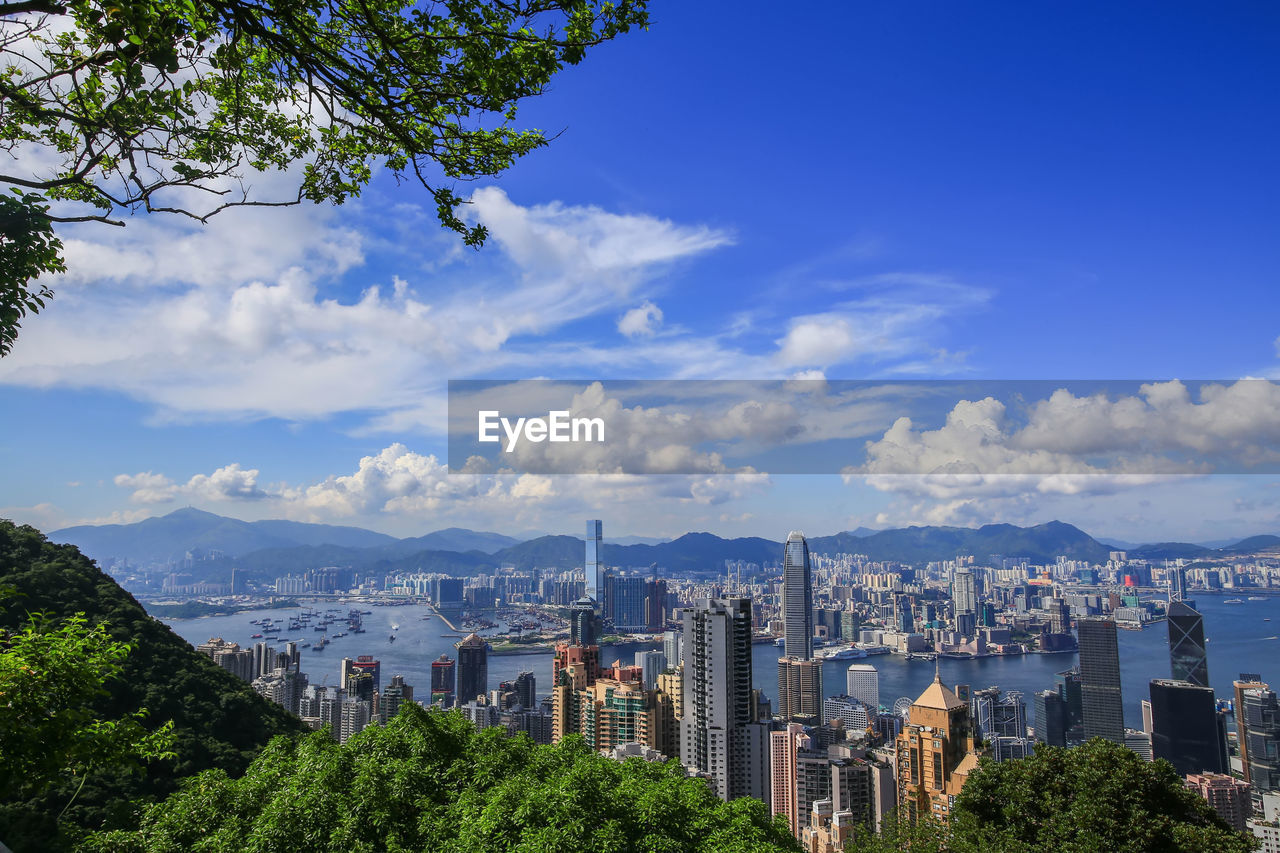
(1102, 706)
(935, 753)
(719, 736)
(473, 668)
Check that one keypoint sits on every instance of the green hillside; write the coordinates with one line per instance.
(218, 719)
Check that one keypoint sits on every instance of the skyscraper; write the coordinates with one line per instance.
(1185, 730)
(1050, 711)
(996, 716)
(583, 627)
(797, 598)
(800, 691)
(628, 599)
(442, 680)
(862, 682)
(671, 644)
(473, 668)
(1100, 680)
(1246, 681)
(718, 735)
(652, 663)
(1068, 686)
(574, 669)
(526, 690)
(396, 695)
(361, 664)
(1186, 644)
(593, 568)
(1258, 715)
(964, 598)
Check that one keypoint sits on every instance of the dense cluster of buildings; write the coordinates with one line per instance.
(828, 758)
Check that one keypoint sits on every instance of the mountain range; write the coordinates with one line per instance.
(266, 549)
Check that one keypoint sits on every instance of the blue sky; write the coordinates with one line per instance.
(923, 190)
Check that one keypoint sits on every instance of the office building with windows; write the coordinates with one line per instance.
(1101, 703)
(797, 598)
(720, 736)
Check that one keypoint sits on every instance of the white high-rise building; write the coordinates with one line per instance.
(718, 735)
(355, 715)
(797, 598)
(862, 682)
(671, 645)
(964, 598)
(652, 663)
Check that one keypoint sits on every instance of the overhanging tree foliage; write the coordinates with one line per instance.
(115, 106)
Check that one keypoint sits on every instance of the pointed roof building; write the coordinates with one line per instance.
(936, 752)
(937, 696)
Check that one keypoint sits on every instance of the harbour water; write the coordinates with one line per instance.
(1240, 640)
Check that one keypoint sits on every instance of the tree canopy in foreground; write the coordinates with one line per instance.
(430, 781)
(51, 671)
(1095, 797)
(217, 719)
(114, 106)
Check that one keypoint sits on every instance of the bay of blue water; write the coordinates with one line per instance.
(1239, 641)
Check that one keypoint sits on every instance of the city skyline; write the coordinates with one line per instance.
(926, 374)
(829, 762)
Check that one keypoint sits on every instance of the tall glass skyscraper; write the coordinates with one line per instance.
(1258, 713)
(1185, 728)
(797, 598)
(593, 568)
(1186, 644)
(473, 668)
(1100, 680)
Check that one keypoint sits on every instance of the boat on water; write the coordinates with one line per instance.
(1233, 601)
(1257, 598)
(391, 639)
(780, 642)
(255, 637)
(842, 653)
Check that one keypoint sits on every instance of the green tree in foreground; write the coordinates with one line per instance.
(429, 781)
(1096, 797)
(50, 673)
(115, 106)
(218, 720)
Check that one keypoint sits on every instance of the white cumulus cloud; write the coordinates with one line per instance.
(641, 321)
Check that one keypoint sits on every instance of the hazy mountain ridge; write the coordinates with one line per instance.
(170, 537)
(266, 549)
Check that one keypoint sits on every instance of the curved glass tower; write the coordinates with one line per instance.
(797, 598)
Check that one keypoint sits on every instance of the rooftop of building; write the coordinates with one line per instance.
(938, 696)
